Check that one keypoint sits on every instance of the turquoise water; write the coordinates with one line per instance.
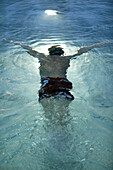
(56, 134)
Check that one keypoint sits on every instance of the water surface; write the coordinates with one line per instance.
(56, 134)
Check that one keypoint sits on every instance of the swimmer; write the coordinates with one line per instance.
(53, 68)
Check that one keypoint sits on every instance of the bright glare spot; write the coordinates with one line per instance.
(51, 12)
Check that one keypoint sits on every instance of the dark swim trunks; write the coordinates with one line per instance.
(55, 87)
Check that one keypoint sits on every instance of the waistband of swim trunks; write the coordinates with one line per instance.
(57, 79)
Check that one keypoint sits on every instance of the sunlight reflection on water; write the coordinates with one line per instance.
(51, 12)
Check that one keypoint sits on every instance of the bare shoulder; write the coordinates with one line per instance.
(72, 56)
(36, 54)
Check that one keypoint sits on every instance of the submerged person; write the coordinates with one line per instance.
(53, 69)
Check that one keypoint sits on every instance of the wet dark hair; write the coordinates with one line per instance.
(55, 50)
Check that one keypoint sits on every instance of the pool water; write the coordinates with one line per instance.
(56, 134)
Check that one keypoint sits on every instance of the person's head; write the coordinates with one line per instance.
(55, 50)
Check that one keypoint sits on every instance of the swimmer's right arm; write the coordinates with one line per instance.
(86, 49)
(32, 52)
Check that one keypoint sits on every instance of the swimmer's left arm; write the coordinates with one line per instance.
(86, 49)
(17, 43)
(32, 52)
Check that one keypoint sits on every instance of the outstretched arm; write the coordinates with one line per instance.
(30, 50)
(86, 49)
